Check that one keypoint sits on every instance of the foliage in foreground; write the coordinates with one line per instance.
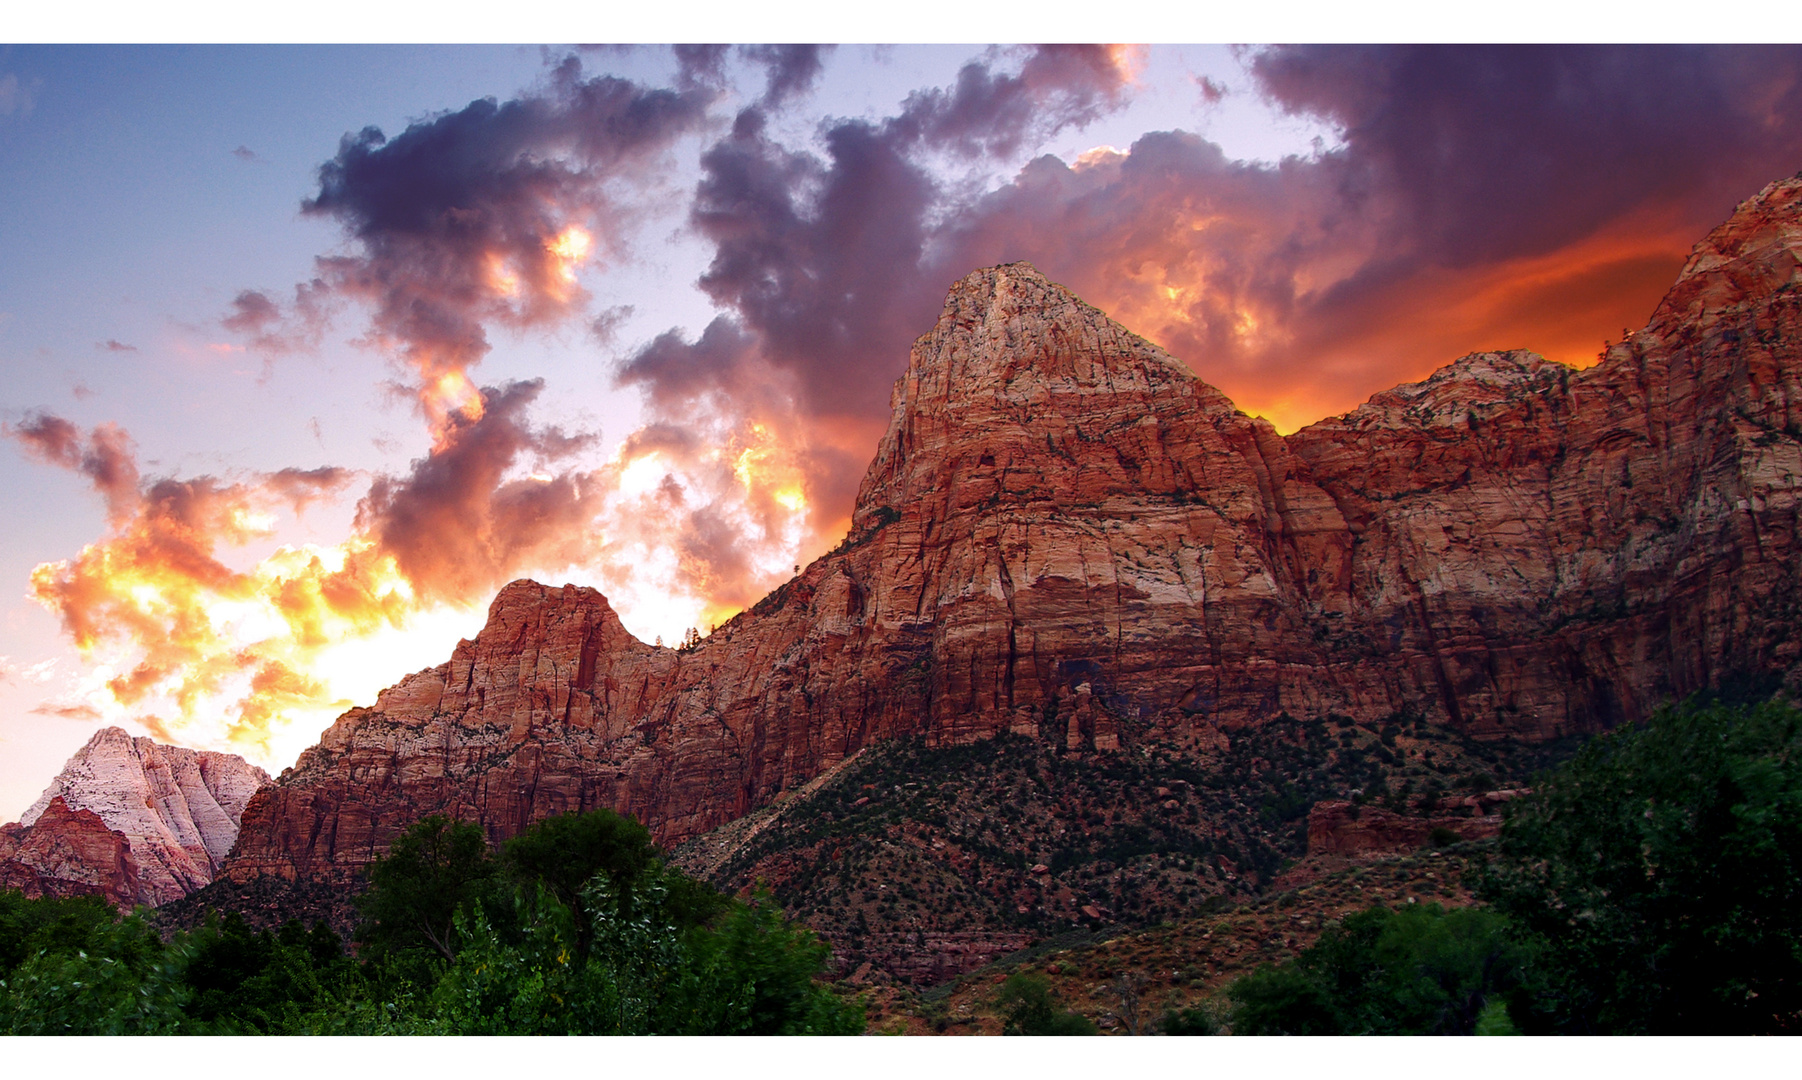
(1661, 869)
(578, 929)
(1651, 885)
(1416, 970)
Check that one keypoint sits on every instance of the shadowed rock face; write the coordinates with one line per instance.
(174, 811)
(1066, 534)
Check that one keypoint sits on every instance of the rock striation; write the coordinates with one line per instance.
(130, 818)
(1064, 534)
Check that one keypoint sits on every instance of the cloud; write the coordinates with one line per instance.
(605, 326)
(164, 616)
(821, 267)
(1481, 198)
(457, 529)
(792, 70)
(68, 712)
(17, 97)
(248, 156)
(273, 331)
(109, 345)
(485, 216)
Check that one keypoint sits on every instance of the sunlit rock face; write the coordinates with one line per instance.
(133, 819)
(1064, 533)
(68, 853)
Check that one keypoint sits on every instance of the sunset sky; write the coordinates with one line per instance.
(305, 351)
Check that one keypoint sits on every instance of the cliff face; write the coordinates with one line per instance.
(1065, 535)
(1545, 549)
(133, 819)
(68, 853)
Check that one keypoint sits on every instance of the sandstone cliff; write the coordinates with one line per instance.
(68, 853)
(1064, 534)
(133, 819)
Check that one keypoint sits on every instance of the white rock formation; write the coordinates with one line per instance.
(179, 808)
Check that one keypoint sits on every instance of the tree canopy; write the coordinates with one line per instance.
(1661, 869)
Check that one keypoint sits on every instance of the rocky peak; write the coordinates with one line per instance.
(68, 853)
(1762, 241)
(1475, 381)
(1017, 368)
(178, 809)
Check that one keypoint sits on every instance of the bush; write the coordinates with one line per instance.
(453, 948)
(1661, 868)
(1029, 1007)
(1420, 970)
(1198, 1020)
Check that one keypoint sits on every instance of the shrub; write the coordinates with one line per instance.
(1661, 868)
(1029, 1007)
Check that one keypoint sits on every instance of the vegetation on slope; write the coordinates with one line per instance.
(1648, 886)
(578, 928)
(915, 857)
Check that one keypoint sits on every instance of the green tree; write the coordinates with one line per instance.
(241, 980)
(753, 973)
(120, 980)
(1662, 870)
(563, 854)
(1028, 1006)
(1417, 970)
(1284, 1000)
(1195, 1020)
(60, 925)
(434, 870)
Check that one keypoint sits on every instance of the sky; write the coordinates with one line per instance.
(305, 351)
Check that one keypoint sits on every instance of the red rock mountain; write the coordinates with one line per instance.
(132, 819)
(1065, 533)
(68, 853)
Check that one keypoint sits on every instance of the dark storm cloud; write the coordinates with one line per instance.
(463, 220)
(1495, 151)
(792, 70)
(820, 261)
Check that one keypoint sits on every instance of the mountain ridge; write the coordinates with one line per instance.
(1068, 540)
(1057, 503)
(147, 822)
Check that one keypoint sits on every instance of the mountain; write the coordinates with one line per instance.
(132, 819)
(1171, 629)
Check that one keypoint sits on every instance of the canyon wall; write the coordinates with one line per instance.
(1067, 535)
(132, 819)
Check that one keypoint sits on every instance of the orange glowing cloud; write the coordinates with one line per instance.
(1565, 305)
(212, 650)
